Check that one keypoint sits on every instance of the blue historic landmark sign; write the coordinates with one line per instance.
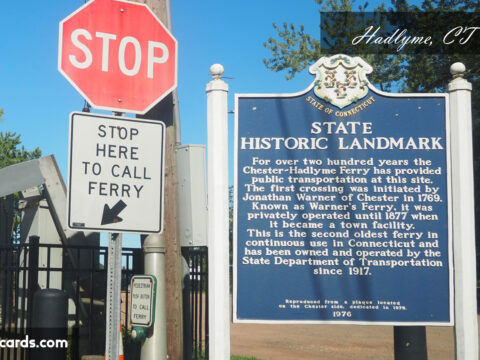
(342, 203)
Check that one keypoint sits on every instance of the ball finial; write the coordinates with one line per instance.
(216, 70)
(457, 69)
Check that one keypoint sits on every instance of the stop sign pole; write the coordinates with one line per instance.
(114, 290)
(120, 57)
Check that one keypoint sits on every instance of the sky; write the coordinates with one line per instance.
(37, 99)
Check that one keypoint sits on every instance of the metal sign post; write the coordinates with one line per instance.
(119, 165)
(115, 171)
(114, 283)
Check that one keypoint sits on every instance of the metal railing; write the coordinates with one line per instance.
(26, 267)
(195, 299)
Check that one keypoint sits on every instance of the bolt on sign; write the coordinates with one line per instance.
(342, 203)
(115, 174)
(118, 55)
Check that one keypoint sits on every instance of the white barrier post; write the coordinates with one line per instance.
(218, 254)
(466, 330)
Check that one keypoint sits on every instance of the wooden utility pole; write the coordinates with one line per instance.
(165, 111)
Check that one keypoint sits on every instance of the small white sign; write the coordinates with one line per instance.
(143, 300)
(115, 174)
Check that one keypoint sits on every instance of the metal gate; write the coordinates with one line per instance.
(20, 271)
(24, 266)
(195, 300)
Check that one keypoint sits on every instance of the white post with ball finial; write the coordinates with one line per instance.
(218, 221)
(463, 211)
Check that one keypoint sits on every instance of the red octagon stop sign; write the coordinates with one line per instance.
(118, 55)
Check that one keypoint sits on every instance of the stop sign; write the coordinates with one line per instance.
(118, 55)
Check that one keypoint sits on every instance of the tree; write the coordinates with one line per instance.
(10, 153)
(293, 50)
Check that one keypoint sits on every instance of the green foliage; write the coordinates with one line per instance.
(11, 152)
(293, 50)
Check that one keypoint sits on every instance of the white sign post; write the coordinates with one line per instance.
(218, 279)
(115, 174)
(466, 325)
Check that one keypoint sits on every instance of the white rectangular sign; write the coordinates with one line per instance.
(142, 310)
(115, 174)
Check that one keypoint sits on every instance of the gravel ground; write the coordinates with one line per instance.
(330, 342)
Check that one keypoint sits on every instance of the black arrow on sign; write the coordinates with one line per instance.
(111, 215)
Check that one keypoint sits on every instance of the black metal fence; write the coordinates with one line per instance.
(81, 272)
(195, 300)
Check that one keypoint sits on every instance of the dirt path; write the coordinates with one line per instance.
(330, 342)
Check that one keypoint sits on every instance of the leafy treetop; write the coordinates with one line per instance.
(10, 153)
